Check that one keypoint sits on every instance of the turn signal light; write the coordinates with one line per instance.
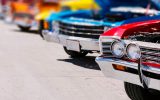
(46, 25)
(119, 67)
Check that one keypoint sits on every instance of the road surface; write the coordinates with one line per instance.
(33, 69)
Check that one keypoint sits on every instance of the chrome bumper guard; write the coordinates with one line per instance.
(108, 70)
(50, 36)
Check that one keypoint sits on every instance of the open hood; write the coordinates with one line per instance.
(107, 4)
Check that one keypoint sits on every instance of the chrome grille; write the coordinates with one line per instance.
(150, 54)
(86, 31)
(106, 49)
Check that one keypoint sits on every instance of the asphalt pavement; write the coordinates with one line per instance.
(33, 69)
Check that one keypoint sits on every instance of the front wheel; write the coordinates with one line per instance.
(136, 92)
(75, 54)
(22, 28)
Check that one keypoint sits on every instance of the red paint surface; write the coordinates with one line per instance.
(124, 29)
(130, 29)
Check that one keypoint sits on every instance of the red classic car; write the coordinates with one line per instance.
(132, 53)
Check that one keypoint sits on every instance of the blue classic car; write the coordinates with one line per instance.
(79, 31)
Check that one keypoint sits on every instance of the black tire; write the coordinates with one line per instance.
(75, 54)
(25, 29)
(41, 27)
(136, 92)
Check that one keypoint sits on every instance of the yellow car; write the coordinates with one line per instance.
(61, 5)
(79, 4)
(47, 7)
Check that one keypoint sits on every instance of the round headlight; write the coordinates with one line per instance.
(55, 27)
(118, 49)
(133, 51)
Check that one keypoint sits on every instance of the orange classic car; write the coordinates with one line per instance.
(27, 14)
(22, 13)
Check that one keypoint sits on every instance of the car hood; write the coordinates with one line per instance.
(67, 14)
(92, 22)
(107, 4)
(81, 21)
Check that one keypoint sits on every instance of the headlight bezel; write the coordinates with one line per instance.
(122, 47)
(128, 51)
(46, 25)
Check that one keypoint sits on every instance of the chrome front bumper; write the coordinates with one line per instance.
(108, 70)
(85, 43)
(24, 24)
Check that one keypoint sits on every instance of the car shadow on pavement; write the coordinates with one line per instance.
(85, 62)
(27, 32)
